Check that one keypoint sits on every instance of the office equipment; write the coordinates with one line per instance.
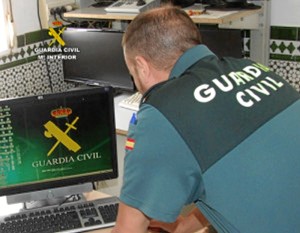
(68, 217)
(103, 3)
(184, 3)
(223, 42)
(99, 58)
(230, 4)
(132, 102)
(132, 6)
(255, 20)
(56, 145)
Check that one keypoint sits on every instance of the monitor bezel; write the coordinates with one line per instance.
(78, 180)
(94, 81)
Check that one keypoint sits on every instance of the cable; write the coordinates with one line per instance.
(38, 12)
(74, 197)
(11, 12)
(60, 14)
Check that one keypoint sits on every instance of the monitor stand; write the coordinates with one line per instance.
(49, 197)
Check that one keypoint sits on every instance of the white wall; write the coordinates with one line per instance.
(25, 16)
(285, 13)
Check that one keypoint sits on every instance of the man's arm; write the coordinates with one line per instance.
(130, 220)
(191, 223)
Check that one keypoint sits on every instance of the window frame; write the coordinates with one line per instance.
(6, 28)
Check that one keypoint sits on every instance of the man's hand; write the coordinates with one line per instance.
(193, 222)
(168, 227)
(130, 220)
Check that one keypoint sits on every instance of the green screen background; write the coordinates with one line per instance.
(30, 146)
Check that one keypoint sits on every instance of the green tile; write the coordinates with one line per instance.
(32, 58)
(246, 33)
(37, 36)
(246, 54)
(13, 64)
(22, 52)
(282, 47)
(284, 57)
(291, 48)
(20, 41)
(273, 46)
(247, 44)
(284, 33)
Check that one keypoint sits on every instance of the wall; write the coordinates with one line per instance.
(285, 40)
(25, 16)
(285, 13)
(22, 73)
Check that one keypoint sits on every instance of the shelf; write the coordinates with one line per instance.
(209, 17)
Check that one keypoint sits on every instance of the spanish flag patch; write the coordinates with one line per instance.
(129, 145)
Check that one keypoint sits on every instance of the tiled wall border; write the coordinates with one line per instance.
(23, 73)
(285, 43)
(284, 58)
(25, 52)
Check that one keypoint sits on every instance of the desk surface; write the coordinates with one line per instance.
(210, 17)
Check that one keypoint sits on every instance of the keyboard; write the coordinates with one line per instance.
(68, 218)
(132, 102)
(132, 6)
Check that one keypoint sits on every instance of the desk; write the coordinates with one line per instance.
(258, 21)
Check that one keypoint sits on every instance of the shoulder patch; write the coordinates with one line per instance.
(129, 145)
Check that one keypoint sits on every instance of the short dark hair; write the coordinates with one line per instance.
(161, 35)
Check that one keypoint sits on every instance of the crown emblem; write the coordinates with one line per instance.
(57, 23)
(61, 112)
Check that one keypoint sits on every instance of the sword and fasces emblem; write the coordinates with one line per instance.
(53, 130)
(56, 36)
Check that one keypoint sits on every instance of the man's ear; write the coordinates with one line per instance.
(142, 66)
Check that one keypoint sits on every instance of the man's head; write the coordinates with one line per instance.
(154, 41)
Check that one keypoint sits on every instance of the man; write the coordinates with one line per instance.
(221, 133)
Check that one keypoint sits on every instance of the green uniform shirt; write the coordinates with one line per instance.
(188, 126)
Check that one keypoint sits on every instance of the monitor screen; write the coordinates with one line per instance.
(98, 58)
(223, 42)
(56, 140)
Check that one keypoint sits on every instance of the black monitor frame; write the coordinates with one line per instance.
(69, 181)
(99, 61)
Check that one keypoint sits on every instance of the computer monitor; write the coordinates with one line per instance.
(99, 60)
(223, 42)
(54, 144)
